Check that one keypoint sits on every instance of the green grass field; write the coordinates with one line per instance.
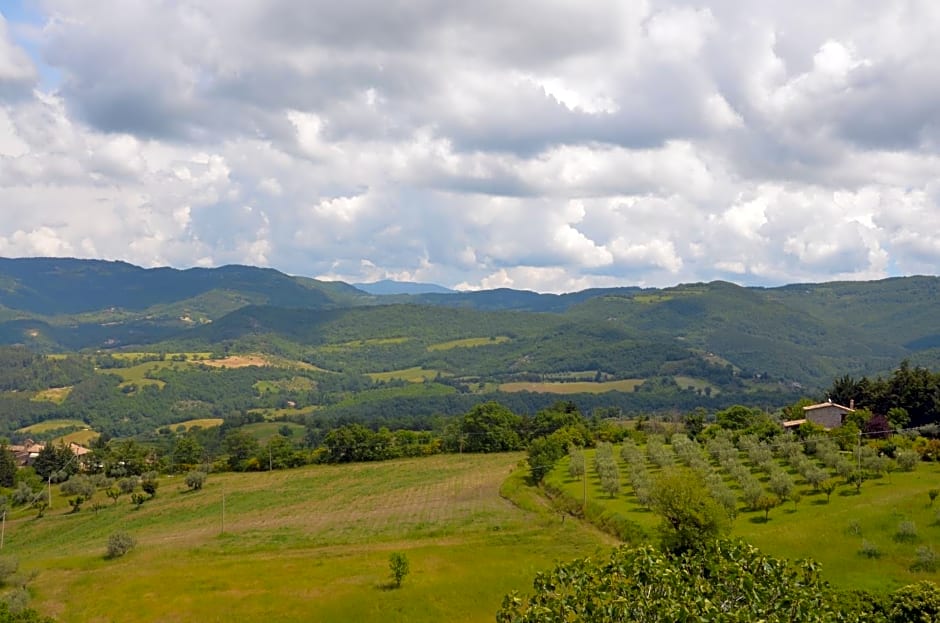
(81, 437)
(297, 383)
(694, 383)
(354, 344)
(53, 394)
(579, 387)
(303, 545)
(263, 431)
(51, 425)
(469, 342)
(412, 375)
(136, 375)
(825, 532)
(209, 422)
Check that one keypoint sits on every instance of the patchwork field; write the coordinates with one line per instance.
(209, 422)
(303, 545)
(51, 425)
(579, 387)
(412, 375)
(469, 342)
(81, 437)
(263, 431)
(53, 394)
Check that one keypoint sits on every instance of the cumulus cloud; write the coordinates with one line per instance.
(543, 145)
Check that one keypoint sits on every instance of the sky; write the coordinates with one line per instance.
(548, 145)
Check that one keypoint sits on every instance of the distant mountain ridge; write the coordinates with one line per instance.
(801, 333)
(390, 287)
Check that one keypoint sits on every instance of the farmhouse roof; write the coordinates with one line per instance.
(791, 423)
(823, 405)
(78, 450)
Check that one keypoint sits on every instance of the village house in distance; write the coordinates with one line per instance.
(826, 414)
(27, 452)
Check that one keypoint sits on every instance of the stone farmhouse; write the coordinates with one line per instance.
(826, 414)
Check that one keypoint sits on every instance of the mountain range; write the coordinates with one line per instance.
(797, 334)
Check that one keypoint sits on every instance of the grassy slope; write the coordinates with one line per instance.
(816, 529)
(303, 545)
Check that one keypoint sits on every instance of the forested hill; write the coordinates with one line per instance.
(804, 333)
(55, 286)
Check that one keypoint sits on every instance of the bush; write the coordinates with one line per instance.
(907, 460)
(195, 480)
(917, 602)
(119, 543)
(906, 532)
(869, 549)
(925, 559)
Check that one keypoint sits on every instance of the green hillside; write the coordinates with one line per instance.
(803, 334)
(302, 545)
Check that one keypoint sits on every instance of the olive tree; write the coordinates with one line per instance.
(690, 516)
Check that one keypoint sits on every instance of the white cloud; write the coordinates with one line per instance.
(544, 145)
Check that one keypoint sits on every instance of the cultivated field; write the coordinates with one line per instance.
(53, 394)
(264, 431)
(579, 387)
(831, 533)
(303, 545)
(469, 342)
(206, 422)
(413, 375)
(81, 437)
(51, 425)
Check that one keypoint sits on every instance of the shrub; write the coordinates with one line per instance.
(925, 559)
(906, 532)
(119, 543)
(195, 480)
(869, 549)
(907, 460)
(149, 486)
(854, 528)
(917, 602)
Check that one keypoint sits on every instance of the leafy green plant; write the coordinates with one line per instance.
(398, 567)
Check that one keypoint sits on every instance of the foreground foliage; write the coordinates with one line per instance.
(727, 581)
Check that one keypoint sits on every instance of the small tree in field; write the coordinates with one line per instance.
(932, 494)
(149, 484)
(119, 543)
(576, 464)
(398, 567)
(766, 503)
(828, 486)
(195, 480)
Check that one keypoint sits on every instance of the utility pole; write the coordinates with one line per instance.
(584, 487)
(858, 453)
(223, 509)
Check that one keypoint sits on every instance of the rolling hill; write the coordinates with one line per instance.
(803, 333)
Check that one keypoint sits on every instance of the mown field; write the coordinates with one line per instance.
(469, 342)
(830, 532)
(577, 387)
(303, 545)
(413, 375)
(51, 425)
